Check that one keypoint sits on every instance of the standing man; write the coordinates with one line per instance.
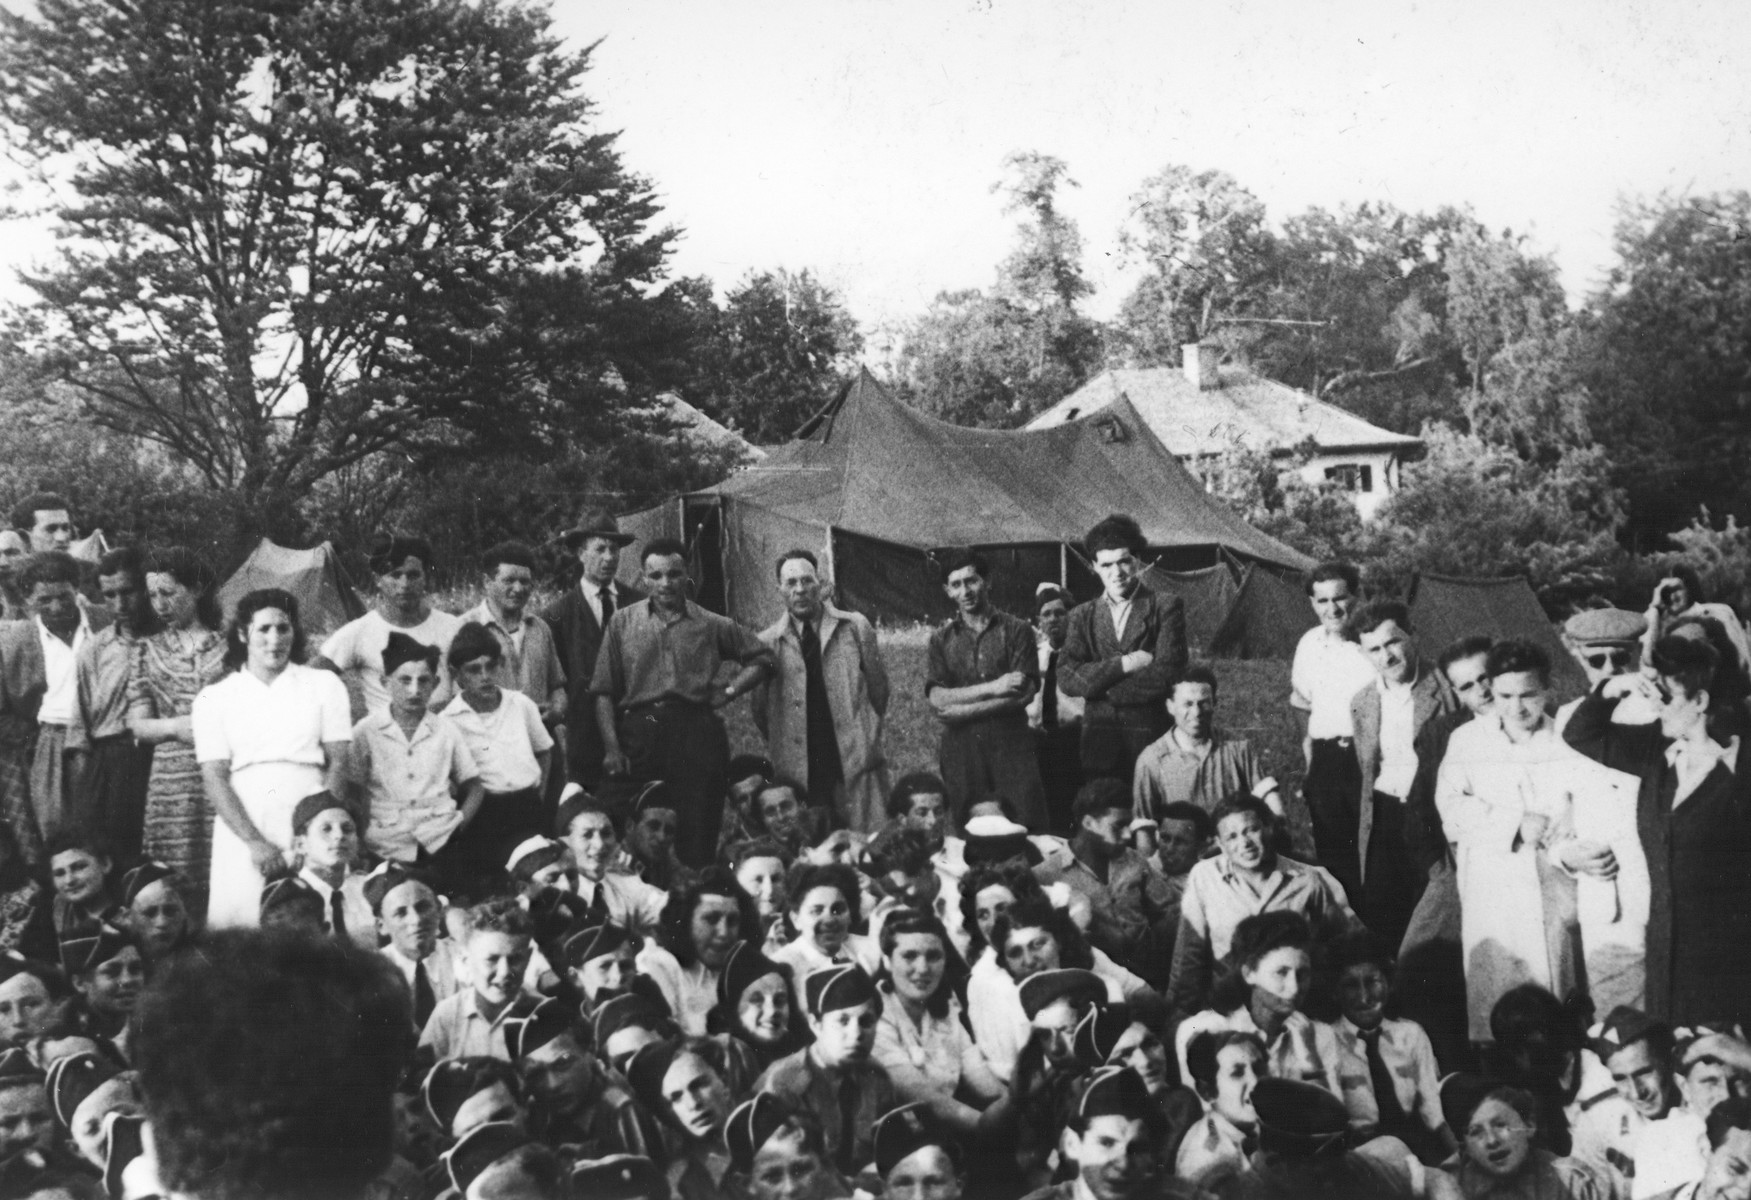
(981, 673)
(1121, 651)
(577, 620)
(39, 697)
(1053, 715)
(110, 794)
(821, 711)
(1387, 718)
(657, 696)
(403, 566)
(1328, 671)
(531, 663)
(45, 519)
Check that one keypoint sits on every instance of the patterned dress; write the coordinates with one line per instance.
(169, 669)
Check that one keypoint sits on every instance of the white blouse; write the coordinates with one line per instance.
(246, 722)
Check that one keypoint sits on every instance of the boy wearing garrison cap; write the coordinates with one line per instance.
(84, 1089)
(917, 1155)
(834, 1076)
(107, 971)
(577, 1102)
(776, 1153)
(410, 770)
(325, 836)
(407, 911)
(1113, 1136)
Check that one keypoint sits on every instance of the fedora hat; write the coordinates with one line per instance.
(596, 522)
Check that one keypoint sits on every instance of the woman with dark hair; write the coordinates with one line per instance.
(993, 1006)
(920, 1040)
(1678, 597)
(403, 567)
(170, 668)
(825, 904)
(267, 735)
(702, 923)
(755, 1017)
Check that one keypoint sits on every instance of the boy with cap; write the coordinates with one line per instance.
(462, 1094)
(325, 836)
(1113, 1137)
(84, 1089)
(407, 913)
(650, 831)
(593, 832)
(917, 1156)
(1055, 1003)
(496, 949)
(627, 1024)
(409, 769)
(498, 1161)
(676, 1081)
(31, 1156)
(601, 962)
(288, 903)
(577, 1103)
(1303, 1150)
(834, 1076)
(107, 971)
(776, 1153)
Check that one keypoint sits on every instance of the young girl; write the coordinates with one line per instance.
(701, 926)
(325, 837)
(825, 904)
(1225, 1067)
(755, 1017)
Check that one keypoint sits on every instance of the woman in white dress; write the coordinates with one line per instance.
(266, 735)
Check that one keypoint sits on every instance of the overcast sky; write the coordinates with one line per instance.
(860, 138)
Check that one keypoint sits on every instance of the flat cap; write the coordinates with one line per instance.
(1611, 625)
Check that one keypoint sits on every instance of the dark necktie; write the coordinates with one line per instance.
(598, 914)
(607, 595)
(1049, 695)
(424, 999)
(1385, 1095)
(823, 744)
(847, 1156)
(337, 914)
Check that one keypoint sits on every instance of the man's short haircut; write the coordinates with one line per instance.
(580, 803)
(1192, 673)
(501, 915)
(1685, 661)
(807, 556)
(1205, 1048)
(387, 551)
(662, 547)
(518, 554)
(122, 560)
(1335, 568)
(782, 783)
(25, 511)
(268, 1062)
(474, 641)
(746, 766)
(899, 849)
(1464, 648)
(1730, 1114)
(1115, 532)
(1240, 802)
(1516, 656)
(1099, 796)
(1185, 810)
(1378, 612)
(1258, 935)
(914, 783)
(759, 847)
(958, 558)
(48, 566)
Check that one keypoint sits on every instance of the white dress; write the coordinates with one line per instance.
(272, 736)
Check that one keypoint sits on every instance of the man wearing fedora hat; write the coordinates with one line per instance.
(577, 620)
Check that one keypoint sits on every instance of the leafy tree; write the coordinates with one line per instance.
(305, 233)
(778, 350)
(1497, 295)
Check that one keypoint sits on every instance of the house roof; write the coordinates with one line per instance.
(701, 428)
(1263, 414)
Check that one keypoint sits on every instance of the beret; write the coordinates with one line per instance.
(1605, 625)
(1299, 1119)
(619, 1177)
(1043, 989)
(75, 1077)
(142, 877)
(752, 1124)
(1624, 1026)
(842, 985)
(481, 1148)
(905, 1131)
(317, 803)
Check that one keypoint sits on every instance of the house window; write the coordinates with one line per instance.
(1352, 477)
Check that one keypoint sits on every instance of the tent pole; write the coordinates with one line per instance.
(1063, 566)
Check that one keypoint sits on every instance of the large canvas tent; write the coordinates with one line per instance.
(1266, 620)
(1445, 609)
(1208, 596)
(872, 486)
(326, 599)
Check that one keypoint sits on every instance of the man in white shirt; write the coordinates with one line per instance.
(1387, 719)
(403, 566)
(47, 649)
(1329, 669)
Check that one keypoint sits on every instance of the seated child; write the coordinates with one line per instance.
(1225, 1066)
(776, 1153)
(593, 832)
(497, 948)
(80, 867)
(325, 837)
(407, 912)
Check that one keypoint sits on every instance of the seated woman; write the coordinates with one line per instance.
(993, 1009)
(826, 902)
(755, 1020)
(759, 868)
(1499, 1159)
(1037, 937)
(80, 867)
(920, 1039)
(1225, 1067)
(702, 923)
(1269, 967)
(678, 1085)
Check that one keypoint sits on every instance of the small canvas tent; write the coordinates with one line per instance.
(1445, 609)
(1208, 595)
(872, 486)
(1269, 614)
(326, 599)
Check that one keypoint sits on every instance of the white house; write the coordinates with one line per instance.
(1205, 409)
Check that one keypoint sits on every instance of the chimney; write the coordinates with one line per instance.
(1200, 364)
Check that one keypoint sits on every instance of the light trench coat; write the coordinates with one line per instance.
(857, 694)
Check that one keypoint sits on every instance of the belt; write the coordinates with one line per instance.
(53, 725)
(1345, 742)
(663, 702)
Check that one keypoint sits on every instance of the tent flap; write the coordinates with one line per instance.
(1208, 596)
(1445, 609)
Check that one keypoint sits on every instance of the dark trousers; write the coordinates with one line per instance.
(111, 794)
(1113, 737)
(685, 746)
(1332, 790)
(473, 860)
(1060, 755)
(992, 757)
(1392, 885)
(583, 744)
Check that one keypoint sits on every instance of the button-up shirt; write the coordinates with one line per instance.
(1304, 1049)
(812, 1088)
(1168, 771)
(531, 661)
(929, 1061)
(505, 741)
(1327, 673)
(1217, 899)
(960, 657)
(409, 782)
(1119, 611)
(458, 1029)
(649, 654)
(632, 903)
(61, 697)
(1409, 1059)
(1398, 731)
(101, 672)
(355, 908)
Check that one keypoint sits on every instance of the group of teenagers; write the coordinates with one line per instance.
(482, 907)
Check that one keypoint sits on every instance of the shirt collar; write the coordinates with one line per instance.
(80, 631)
(319, 884)
(1702, 756)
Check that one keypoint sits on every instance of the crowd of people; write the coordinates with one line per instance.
(483, 906)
